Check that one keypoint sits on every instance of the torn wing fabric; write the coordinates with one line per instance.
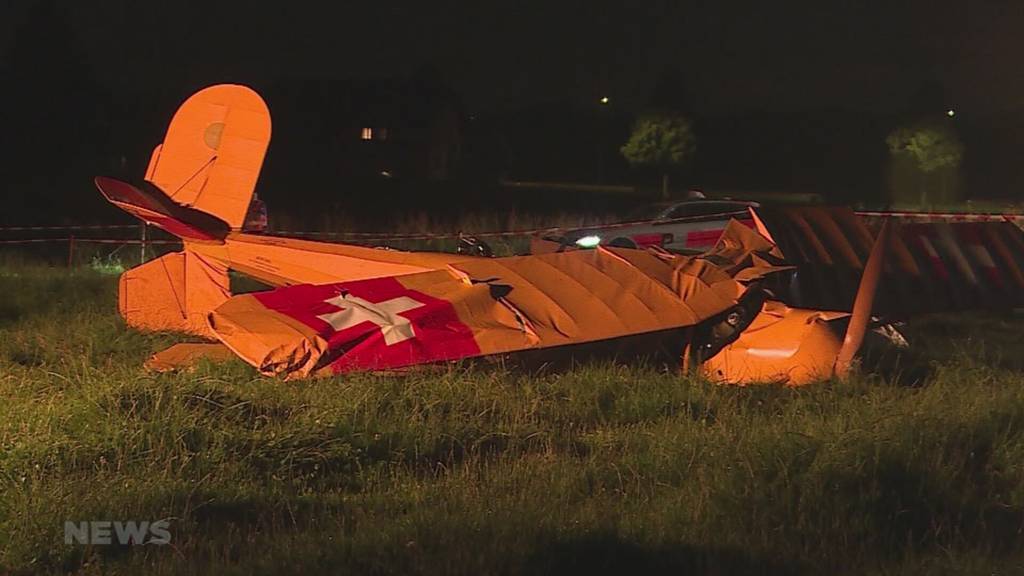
(486, 306)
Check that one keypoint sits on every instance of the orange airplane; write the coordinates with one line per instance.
(337, 308)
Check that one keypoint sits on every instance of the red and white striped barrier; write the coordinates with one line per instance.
(936, 261)
(946, 216)
(69, 228)
(90, 241)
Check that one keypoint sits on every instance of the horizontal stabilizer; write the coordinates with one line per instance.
(154, 207)
(173, 292)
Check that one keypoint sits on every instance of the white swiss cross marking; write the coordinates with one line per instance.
(355, 310)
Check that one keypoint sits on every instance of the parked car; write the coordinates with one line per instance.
(688, 226)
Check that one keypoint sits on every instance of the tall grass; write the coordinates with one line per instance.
(609, 467)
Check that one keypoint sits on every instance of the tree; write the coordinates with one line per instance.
(661, 140)
(930, 146)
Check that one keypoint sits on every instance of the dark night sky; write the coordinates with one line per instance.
(787, 55)
(795, 94)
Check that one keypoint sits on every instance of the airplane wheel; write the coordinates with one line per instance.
(622, 243)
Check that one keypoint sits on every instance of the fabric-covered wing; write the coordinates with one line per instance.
(487, 306)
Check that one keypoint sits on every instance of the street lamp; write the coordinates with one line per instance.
(950, 112)
(604, 100)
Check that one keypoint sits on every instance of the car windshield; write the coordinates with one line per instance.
(706, 208)
(646, 212)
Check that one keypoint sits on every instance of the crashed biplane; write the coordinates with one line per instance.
(788, 301)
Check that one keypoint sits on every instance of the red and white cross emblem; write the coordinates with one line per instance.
(354, 310)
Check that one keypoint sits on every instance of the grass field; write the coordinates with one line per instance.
(606, 468)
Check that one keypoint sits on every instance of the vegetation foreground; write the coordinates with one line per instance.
(484, 470)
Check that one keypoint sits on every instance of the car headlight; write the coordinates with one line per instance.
(588, 241)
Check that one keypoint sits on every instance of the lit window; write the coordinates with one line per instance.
(382, 134)
(367, 133)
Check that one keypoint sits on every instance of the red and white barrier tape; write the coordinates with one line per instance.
(945, 216)
(384, 236)
(88, 240)
(70, 228)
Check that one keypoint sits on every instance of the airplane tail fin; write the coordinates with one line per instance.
(202, 177)
(212, 153)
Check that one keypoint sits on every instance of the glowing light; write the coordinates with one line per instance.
(605, 100)
(950, 112)
(588, 241)
(367, 134)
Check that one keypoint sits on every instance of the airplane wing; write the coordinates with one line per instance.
(488, 306)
